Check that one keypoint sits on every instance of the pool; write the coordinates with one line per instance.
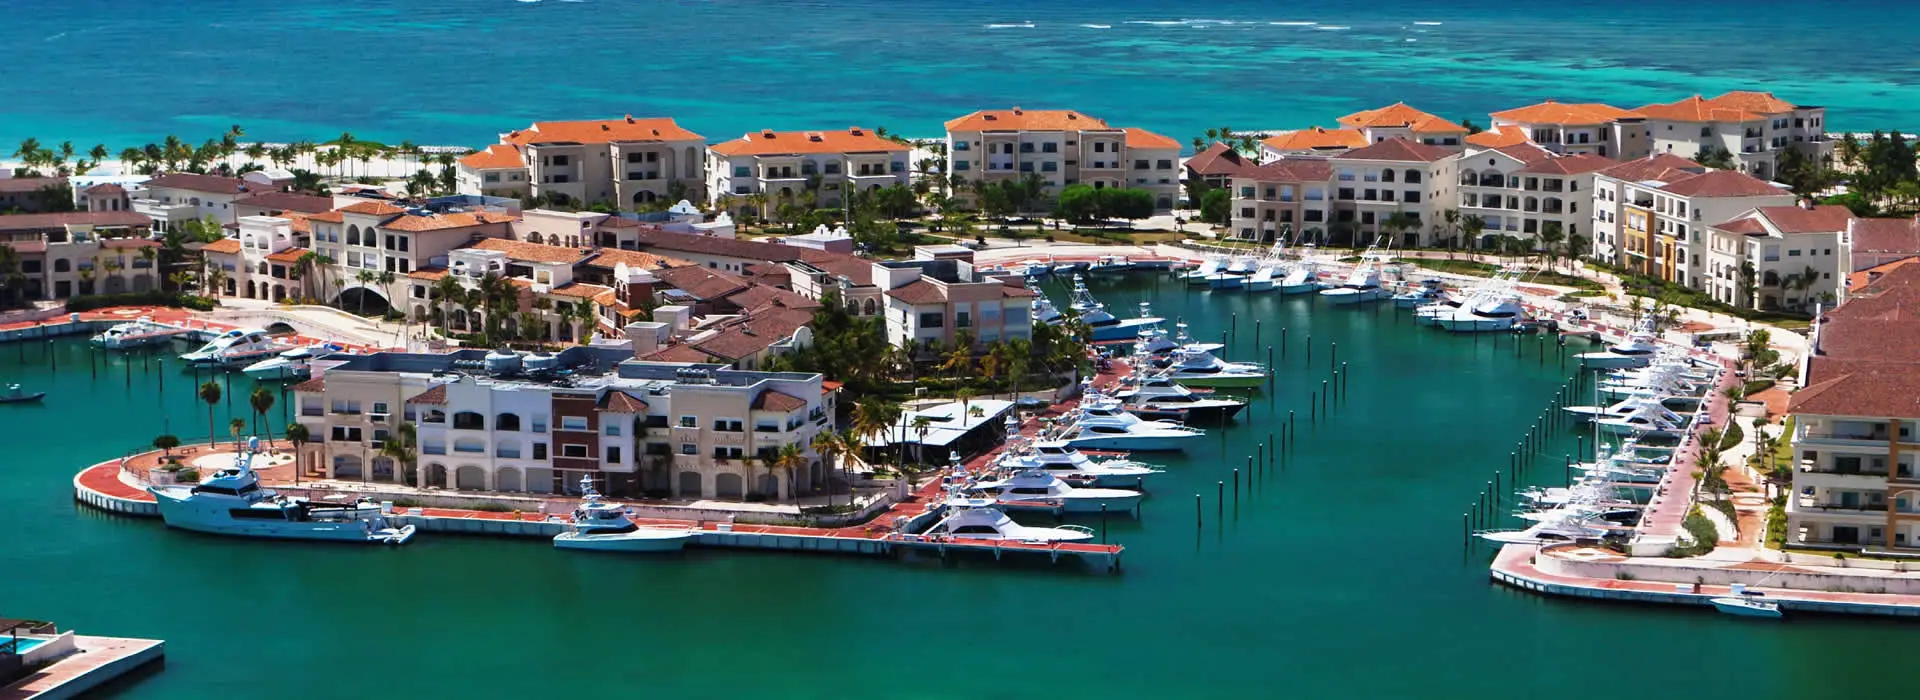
(21, 645)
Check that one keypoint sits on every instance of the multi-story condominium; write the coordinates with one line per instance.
(1856, 478)
(1754, 127)
(1286, 200)
(1217, 165)
(173, 198)
(23, 195)
(784, 164)
(1795, 254)
(381, 237)
(1398, 120)
(1061, 147)
(105, 196)
(1396, 176)
(257, 262)
(1312, 141)
(624, 161)
(1568, 128)
(502, 422)
(85, 252)
(1651, 214)
(1519, 190)
(931, 302)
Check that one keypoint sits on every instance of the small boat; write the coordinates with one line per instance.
(1261, 280)
(1110, 263)
(1301, 278)
(1075, 467)
(1361, 285)
(1193, 366)
(605, 527)
(977, 519)
(1637, 351)
(1155, 341)
(16, 395)
(1068, 268)
(1045, 312)
(1747, 606)
(1104, 325)
(235, 347)
(1208, 267)
(134, 334)
(1427, 292)
(1035, 487)
(1157, 396)
(292, 364)
(1243, 265)
(233, 503)
(1101, 423)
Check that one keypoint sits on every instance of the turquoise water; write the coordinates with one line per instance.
(22, 644)
(1342, 575)
(462, 71)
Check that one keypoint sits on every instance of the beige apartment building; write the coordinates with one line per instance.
(784, 165)
(1754, 127)
(1571, 128)
(627, 161)
(1652, 214)
(1061, 147)
(86, 252)
(1519, 190)
(1796, 253)
(1396, 176)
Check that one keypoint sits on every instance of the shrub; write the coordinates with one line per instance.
(1777, 522)
(89, 302)
(491, 507)
(1701, 531)
(188, 475)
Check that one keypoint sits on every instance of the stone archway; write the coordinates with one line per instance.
(437, 476)
(507, 479)
(470, 478)
(729, 485)
(692, 485)
(347, 467)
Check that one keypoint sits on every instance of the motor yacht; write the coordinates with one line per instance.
(977, 519)
(1101, 423)
(1109, 263)
(1361, 285)
(1243, 265)
(292, 364)
(1194, 366)
(1625, 407)
(236, 347)
(1552, 527)
(1301, 278)
(1208, 267)
(232, 502)
(1157, 396)
(1261, 280)
(1154, 341)
(1493, 312)
(1035, 486)
(1428, 291)
(1747, 606)
(1069, 268)
(1225, 280)
(1645, 420)
(1045, 312)
(1075, 467)
(133, 334)
(1636, 351)
(1104, 325)
(601, 526)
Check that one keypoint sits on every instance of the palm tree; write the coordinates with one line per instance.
(364, 277)
(210, 393)
(1470, 226)
(303, 269)
(298, 435)
(400, 446)
(826, 443)
(850, 444)
(788, 460)
(262, 401)
(235, 427)
(746, 473)
(445, 289)
(1550, 238)
(921, 424)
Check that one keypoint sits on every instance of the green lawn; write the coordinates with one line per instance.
(1457, 267)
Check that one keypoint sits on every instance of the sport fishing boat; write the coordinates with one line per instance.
(235, 347)
(1243, 265)
(1154, 341)
(133, 334)
(1101, 423)
(1492, 312)
(1262, 279)
(1208, 267)
(292, 364)
(1194, 366)
(17, 395)
(1361, 285)
(1075, 467)
(1045, 312)
(1636, 351)
(233, 503)
(1104, 325)
(1551, 527)
(1156, 396)
(602, 526)
(1645, 420)
(977, 519)
(1426, 292)
(1301, 278)
(1225, 280)
(1624, 407)
(1034, 486)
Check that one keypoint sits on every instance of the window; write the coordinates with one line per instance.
(573, 422)
(742, 171)
(958, 146)
(728, 452)
(507, 421)
(1049, 147)
(1412, 197)
(560, 160)
(613, 428)
(962, 319)
(613, 455)
(539, 450)
(688, 448)
(689, 422)
(933, 320)
(833, 168)
(1793, 252)
(729, 425)
(1026, 166)
(1049, 166)
(468, 420)
(380, 408)
(1412, 178)
(962, 165)
(573, 450)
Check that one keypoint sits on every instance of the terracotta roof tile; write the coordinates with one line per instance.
(1652, 167)
(314, 385)
(332, 217)
(30, 184)
(771, 400)
(288, 256)
(1291, 170)
(1859, 388)
(206, 183)
(1565, 114)
(1744, 227)
(759, 296)
(498, 156)
(287, 201)
(1316, 139)
(59, 221)
(679, 353)
(1527, 152)
(1499, 136)
(436, 396)
(1822, 218)
(609, 257)
(714, 245)
(770, 142)
(431, 274)
(703, 283)
(1723, 183)
(229, 246)
(372, 208)
(527, 251)
(602, 131)
(621, 402)
(578, 290)
(123, 243)
(101, 190)
(1010, 291)
(449, 220)
(919, 292)
(1886, 235)
(1400, 115)
(1141, 138)
(1571, 165)
(1698, 109)
(1879, 323)
(744, 336)
(1860, 280)
(1217, 159)
(1753, 101)
(1399, 150)
(1018, 119)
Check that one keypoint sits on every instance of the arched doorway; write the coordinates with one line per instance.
(728, 485)
(507, 479)
(347, 467)
(768, 485)
(437, 476)
(470, 478)
(691, 485)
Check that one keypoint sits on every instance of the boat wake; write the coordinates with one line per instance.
(1097, 26)
(1429, 24)
(1293, 24)
(1011, 25)
(1333, 28)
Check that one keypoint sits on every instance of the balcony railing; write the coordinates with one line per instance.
(1809, 505)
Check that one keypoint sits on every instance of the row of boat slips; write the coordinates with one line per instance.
(258, 353)
(1492, 306)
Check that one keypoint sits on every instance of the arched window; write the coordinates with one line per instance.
(1386, 175)
(553, 239)
(871, 307)
(1469, 178)
(1412, 177)
(353, 234)
(468, 420)
(62, 265)
(506, 421)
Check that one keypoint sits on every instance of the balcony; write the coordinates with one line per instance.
(163, 211)
(1804, 504)
(433, 449)
(1858, 436)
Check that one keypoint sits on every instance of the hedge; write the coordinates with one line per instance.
(89, 302)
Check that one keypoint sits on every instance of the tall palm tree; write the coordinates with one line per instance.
(210, 393)
(235, 427)
(262, 401)
(1550, 238)
(401, 446)
(364, 277)
(850, 444)
(826, 443)
(788, 461)
(298, 435)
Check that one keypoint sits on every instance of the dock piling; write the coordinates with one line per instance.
(1220, 501)
(1283, 347)
(1333, 358)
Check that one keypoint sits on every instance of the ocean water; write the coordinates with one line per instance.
(1342, 575)
(462, 71)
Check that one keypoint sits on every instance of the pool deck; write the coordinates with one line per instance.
(96, 660)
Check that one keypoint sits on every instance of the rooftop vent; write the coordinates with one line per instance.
(604, 127)
(815, 136)
(766, 133)
(856, 131)
(629, 119)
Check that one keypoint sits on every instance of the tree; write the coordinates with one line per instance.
(166, 443)
(1078, 203)
(401, 446)
(210, 393)
(235, 427)
(1127, 203)
(1715, 157)
(1399, 222)
(1550, 238)
(262, 401)
(298, 435)
(1471, 226)
(826, 443)
(789, 460)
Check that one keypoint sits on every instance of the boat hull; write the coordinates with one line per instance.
(1125, 330)
(1743, 608)
(1135, 443)
(1474, 325)
(180, 515)
(1301, 288)
(1224, 411)
(1607, 360)
(1230, 381)
(642, 540)
(1225, 281)
(1346, 297)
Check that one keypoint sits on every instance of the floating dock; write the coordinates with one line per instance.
(87, 663)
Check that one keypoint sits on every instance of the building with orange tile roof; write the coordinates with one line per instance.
(1311, 141)
(628, 161)
(1400, 120)
(1575, 128)
(1652, 214)
(783, 164)
(384, 237)
(1751, 127)
(1878, 241)
(1522, 190)
(1060, 148)
(1795, 254)
(257, 261)
(1282, 200)
(1397, 180)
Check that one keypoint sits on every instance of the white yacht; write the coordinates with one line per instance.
(1361, 285)
(1551, 527)
(1747, 606)
(1243, 265)
(1044, 311)
(1110, 263)
(1487, 314)
(133, 334)
(1101, 423)
(1035, 486)
(1194, 366)
(1660, 383)
(1225, 280)
(1426, 292)
(292, 364)
(1157, 395)
(1636, 351)
(1302, 277)
(1261, 280)
(977, 519)
(602, 526)
(1646, 419)
(1153, 340)
(1104, 325)
(233, 503)
(1208, 267)
(1075, 467)
(235, 347)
